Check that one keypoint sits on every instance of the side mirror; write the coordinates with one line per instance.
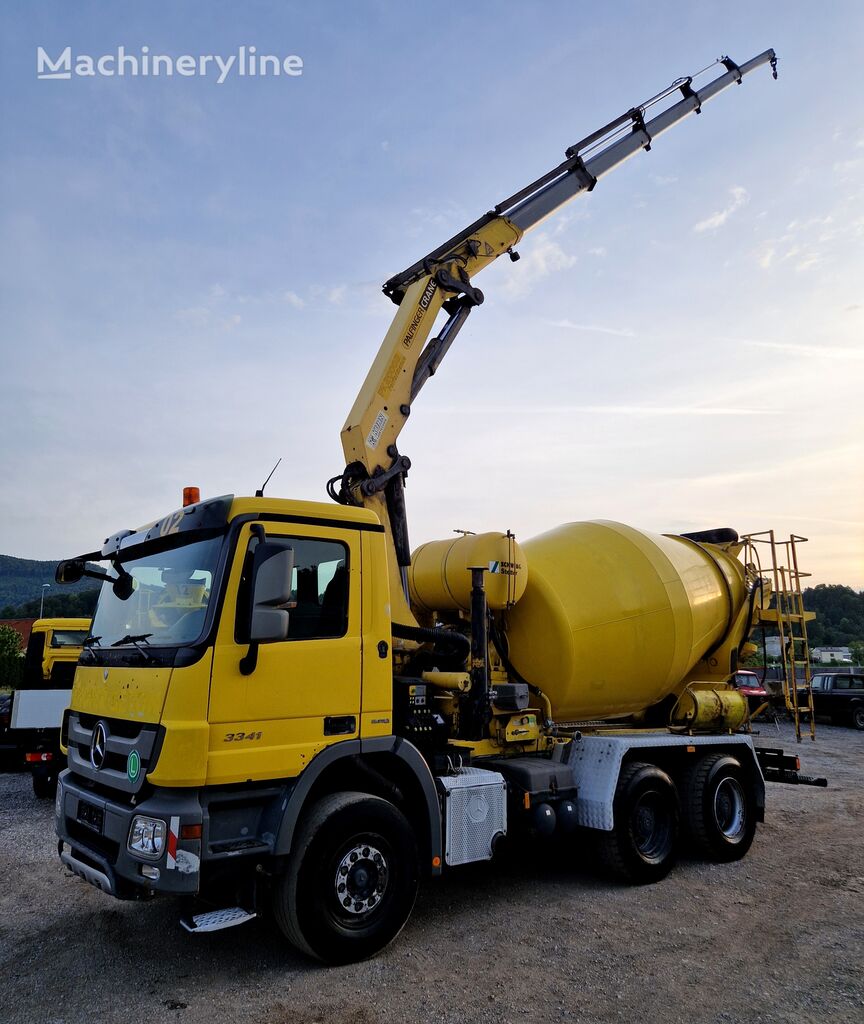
(272, 588)
(123, 587)
(272, 571)
(69, 571)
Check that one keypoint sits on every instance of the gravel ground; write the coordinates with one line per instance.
(776, 937)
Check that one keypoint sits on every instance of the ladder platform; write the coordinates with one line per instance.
(773, 615)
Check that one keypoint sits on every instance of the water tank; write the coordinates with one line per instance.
(613, 619)
(439, 577)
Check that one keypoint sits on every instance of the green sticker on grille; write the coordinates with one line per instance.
(133, 766)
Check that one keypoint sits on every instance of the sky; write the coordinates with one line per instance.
(191, 271)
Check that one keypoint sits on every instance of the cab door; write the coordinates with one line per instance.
(304, 692)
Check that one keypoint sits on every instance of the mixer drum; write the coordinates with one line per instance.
(613, 619)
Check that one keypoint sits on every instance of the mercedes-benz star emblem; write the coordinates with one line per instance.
(99, 746)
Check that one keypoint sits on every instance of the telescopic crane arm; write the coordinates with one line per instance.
(375, 472)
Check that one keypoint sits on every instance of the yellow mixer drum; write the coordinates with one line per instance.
(613, 619)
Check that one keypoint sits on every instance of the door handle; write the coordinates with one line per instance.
(340, 725)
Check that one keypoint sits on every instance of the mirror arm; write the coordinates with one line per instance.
(94, 574)
(249, 661)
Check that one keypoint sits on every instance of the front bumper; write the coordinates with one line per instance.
(93, 831)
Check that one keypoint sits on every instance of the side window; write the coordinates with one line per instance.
(318, 608)
(842, 682)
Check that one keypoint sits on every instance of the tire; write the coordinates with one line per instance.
(719, 809)
(858, 717)
(643, 844)
(348, 843)
(44, 786)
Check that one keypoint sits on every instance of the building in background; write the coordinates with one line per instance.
(825, 655)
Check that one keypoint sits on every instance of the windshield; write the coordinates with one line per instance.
(169, 600)
(68, 637)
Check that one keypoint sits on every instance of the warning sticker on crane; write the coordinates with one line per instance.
(391, 375)
(377, 429)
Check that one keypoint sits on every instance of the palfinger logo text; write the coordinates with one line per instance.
(245, 63)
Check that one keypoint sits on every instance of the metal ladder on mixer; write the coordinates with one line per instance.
(788, 614)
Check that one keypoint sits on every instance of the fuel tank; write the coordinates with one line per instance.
(614, 619)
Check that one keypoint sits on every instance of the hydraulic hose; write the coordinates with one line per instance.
(460, 646)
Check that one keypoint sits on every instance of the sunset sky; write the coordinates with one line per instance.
(191, 272)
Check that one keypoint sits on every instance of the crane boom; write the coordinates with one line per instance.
(375, 470)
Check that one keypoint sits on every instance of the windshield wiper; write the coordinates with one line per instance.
(88, 643)
(136, 641)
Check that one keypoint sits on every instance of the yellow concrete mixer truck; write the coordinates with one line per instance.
(280, 706)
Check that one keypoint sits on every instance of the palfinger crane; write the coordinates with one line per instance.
(375, 471)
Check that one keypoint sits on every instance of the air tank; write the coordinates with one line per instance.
(614, 619)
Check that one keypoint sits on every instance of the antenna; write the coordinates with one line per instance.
(260, 492)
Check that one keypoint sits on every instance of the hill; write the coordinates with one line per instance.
(21, 582)
(839, 615)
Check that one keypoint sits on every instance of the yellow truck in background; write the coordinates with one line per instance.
(280, 706)
(39, 701)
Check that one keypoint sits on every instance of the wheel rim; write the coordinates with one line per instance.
(858, 718)
(361, 880)
(730, 809)
(651, 825)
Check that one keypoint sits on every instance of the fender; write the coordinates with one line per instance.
(394, 745)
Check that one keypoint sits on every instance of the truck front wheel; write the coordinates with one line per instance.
(351, 879)
(44, 786)
(642, 846)
(719, 812)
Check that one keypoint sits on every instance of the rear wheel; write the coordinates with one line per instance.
(719, 810)
(351, 881)
(642, 846)
(858, 716)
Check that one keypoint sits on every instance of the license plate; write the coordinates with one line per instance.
(91, 817)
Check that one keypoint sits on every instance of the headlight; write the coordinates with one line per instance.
(147, 836)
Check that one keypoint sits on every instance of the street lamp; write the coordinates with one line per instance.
(45, 586)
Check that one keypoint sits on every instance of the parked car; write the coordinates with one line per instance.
(840, 695)
(749, 684)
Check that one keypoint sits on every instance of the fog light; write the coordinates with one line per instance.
(147, 836)
(150, 871)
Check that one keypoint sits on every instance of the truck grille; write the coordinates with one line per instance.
(107, 761)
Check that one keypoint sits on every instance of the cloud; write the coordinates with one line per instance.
(619, 332)
(543, 258)
(766, 256)
(739, 197)
(615, 410)
(675, 410)
(825, 351)
(293, 299)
